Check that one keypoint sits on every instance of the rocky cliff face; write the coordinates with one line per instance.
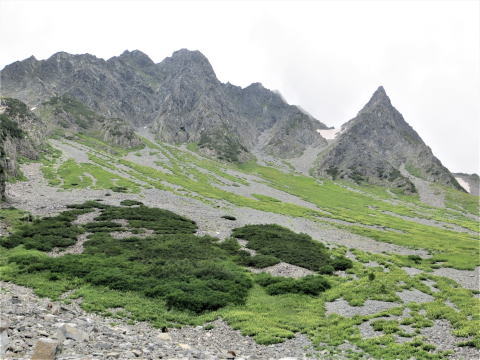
(120, 87)
(69, 116)
(470, 182)
(180, 99)
(21, 134)
(376, 145)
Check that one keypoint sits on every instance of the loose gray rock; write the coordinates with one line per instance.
(45, 349)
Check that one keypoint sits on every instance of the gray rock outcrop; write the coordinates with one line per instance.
(180, 99)
(70, 116)
(21, 134)
(373, 147)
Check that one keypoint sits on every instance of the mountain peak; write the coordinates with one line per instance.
(137, 57)
(376, 144)
(379, 97)
(193, 62)
(185, 55)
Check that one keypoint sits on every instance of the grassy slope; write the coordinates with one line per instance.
(354, 204)
(273, 318)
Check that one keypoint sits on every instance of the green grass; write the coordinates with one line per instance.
(149, 279)
(13, 218)
(462, 201)
(72, 175)
(363, 205)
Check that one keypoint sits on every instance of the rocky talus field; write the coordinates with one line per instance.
(158, 252)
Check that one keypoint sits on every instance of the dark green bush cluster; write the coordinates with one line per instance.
(15, 107)
(341, 263)
(244, 258)
(415, 258)
(159, 220)
(290, 247)
(187, 272)
(130, 202)
(309, 285)
(47, 233)
(102, 226)
(229, 217)
(9, 127)
(88, 205)
(257, 261)
(119, 189)
(230, 245)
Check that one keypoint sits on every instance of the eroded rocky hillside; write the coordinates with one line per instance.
(180, 98)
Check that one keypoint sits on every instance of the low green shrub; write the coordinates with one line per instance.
(186, 272)
(230, 245)
(229, 217)
(130, 202)
(290, 247)
(341, 263)
(159, 220)
(308, 285)
(258, 261)
(46, 234)
(102, 226)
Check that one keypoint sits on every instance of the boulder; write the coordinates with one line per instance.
(70, 331)
(164, 337)
(46, 349)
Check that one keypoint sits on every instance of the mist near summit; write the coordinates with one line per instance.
(327, 57)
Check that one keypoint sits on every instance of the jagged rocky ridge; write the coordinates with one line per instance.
(377, 146)
(181, 101)
(180, 98)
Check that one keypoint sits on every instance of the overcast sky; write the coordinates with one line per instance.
(327, 57)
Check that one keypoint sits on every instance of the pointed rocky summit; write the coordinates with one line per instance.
(378, 146)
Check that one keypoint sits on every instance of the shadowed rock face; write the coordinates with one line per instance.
(180, 99)
(376, 144)
(21, 134)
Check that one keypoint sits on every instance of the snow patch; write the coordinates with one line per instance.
(463, 184)
(329, 134)
(33, 108)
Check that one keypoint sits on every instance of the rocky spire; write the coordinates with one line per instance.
(379, 98)
(377, 145)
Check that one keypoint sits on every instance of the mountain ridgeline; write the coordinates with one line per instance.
(181, 101)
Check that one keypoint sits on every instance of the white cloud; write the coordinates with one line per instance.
(327, 56)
